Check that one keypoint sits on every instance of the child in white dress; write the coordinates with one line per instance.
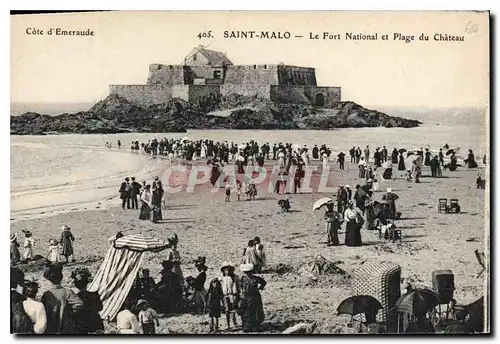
(29, 243)
(53, 255)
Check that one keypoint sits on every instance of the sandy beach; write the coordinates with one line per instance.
(208, 226)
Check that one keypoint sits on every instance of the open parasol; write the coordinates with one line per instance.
(140, 243)
(185, 138)
(417, 301)
(359, 304)
(321, 202)
(452, 151)
(340, 154)
(402, 150)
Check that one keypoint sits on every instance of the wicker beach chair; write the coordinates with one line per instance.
(382, 281)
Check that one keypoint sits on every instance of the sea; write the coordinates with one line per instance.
(59, 173)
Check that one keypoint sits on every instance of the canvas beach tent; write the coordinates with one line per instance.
(119, 269)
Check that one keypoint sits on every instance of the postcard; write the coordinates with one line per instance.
(250, 172)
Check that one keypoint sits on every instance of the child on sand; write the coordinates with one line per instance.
(29, 242)
(53, 255)
(147, 317)
(228, 192)
(239, 186)
(214, 303)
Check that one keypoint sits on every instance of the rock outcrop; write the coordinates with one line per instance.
(116, 115)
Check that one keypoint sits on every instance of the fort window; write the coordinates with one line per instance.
(195, 57)
(265, 66)
(217, 74)
(254, 66)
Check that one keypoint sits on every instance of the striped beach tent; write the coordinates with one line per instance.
(119, 269)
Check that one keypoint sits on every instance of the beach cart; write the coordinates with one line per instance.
(382, 280)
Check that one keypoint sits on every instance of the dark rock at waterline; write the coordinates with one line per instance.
(116, 115)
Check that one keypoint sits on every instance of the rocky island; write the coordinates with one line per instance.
(117, 115)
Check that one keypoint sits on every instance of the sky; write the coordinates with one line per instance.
(78, 69)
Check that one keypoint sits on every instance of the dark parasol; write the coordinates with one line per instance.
(359, 304)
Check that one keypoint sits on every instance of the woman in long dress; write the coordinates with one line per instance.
(401, 165)
(146, 203)
(252, 309)
(362, 167)
(29, 242)
(175, 258)
(66, 241)
(203, 152)
(352, 233)
(15, 255)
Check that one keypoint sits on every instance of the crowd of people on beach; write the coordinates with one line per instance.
(66, 311)
(61, 310)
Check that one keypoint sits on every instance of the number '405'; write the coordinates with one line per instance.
(206, 34)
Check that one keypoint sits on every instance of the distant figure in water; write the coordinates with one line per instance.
(119, 144)
(484, 159)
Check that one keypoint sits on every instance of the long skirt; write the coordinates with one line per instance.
(332, 232)
(252, 313)
(352, 234)
(156, 214)
(199, 298)
(401, 165)
(145, 212)
(361, 171)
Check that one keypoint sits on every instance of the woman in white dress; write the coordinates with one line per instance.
(203, 152)
(324, 159)
(29, 243)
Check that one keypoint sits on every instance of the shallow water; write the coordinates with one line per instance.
(65, 172)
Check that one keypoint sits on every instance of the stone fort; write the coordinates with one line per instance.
(208, 72)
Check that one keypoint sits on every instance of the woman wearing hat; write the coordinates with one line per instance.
(252, 310)
(34, 308)
(88, 319)
(61, 304)
(199, 284)
(145, 213)
(29, 242)
(231, 292)
(66, 241)
(174, 257)
(15, 255)
(352, 232)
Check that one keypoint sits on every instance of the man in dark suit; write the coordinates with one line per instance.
(125, 193)
(135, 190)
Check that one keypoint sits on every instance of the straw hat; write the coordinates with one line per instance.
(13, 237)
(347, 186)
(370, 180)
(53, 242)
(246, 267)
(65, 228)
(140, 303)
(389, 190)
(227, 265)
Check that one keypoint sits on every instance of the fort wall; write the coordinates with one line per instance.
(143, 94)
(320, 96)
(166, 74)
(252, 74)
(249, 90)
